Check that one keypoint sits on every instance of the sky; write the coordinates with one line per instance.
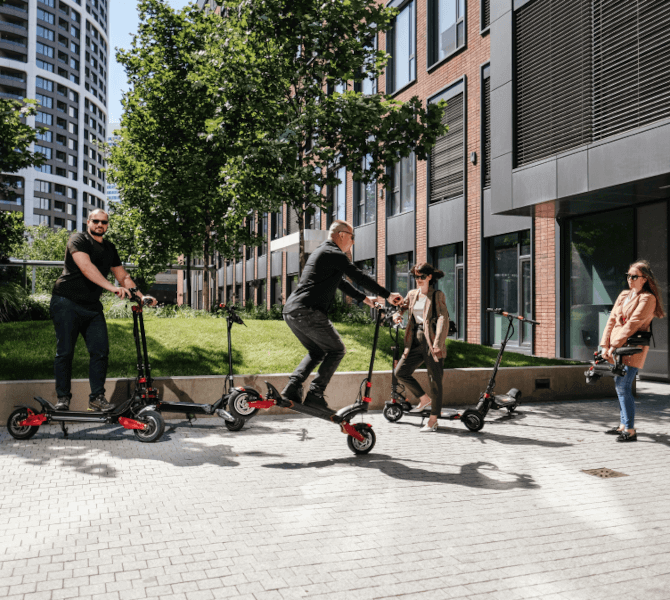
(122, 26)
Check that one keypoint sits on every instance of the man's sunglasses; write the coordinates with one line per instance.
(96, 221)
(634, 277)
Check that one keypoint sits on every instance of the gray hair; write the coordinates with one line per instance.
(337, 227)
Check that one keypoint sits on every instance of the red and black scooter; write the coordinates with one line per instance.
(137, 413)
(360, 436)
(229, 389)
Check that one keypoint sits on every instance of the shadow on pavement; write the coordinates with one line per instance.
(470, 475)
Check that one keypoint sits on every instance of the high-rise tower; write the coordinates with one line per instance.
(57, 51)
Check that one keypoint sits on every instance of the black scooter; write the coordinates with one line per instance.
(360, 436)
(219, 407)
(398, 406)
(137, 413)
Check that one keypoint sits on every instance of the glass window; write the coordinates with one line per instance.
(45, 84)
(338, 198)
(400, 265)
(403, 195)
(45, 33)
(596, 275)
(403, 48)
(448, 28)
(277, 297)
(366, 199)
(449, 260)
(368, 267)
(45, 16)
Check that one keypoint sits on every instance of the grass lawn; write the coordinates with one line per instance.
(199, 347)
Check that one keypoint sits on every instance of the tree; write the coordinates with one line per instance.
(43, 243)
(15, 140)
(11, 232)
(165, 166)
(296, 53)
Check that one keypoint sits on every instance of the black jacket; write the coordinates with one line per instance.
(323, 276)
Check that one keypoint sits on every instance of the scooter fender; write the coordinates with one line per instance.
(146, 409)
(46, 405)
(256, 400)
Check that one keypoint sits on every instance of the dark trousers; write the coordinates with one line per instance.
(70, 319)
(409, 363)
(324, 345)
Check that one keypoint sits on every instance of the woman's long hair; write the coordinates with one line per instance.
(651, 285)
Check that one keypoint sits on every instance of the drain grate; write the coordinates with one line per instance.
(604, 473)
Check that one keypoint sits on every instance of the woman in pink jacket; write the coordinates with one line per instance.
(634, 311)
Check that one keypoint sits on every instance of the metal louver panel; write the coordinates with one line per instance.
(486, 13)
(654, 60)
(446, 160)
(486, 132)
(553, 77)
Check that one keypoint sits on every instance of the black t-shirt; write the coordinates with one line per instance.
(73, 284)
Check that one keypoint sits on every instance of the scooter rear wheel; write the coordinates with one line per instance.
(17, 431)
(155, 426)
(392, 413)
(472, 419)
(238, 405)
(369, 439)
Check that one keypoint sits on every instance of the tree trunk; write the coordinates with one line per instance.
(188, 280)
(206, 274)
(301, 244)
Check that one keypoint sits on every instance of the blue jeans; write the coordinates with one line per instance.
(624, 389)
(324, 345)
(70, 319)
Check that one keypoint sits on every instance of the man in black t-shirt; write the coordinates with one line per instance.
(306, 311)
(76, 307)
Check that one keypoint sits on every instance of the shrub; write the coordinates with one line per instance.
(17, 305)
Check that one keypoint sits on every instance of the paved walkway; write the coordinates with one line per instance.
(284, 510)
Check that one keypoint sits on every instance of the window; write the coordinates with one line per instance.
(250, 249)
(44, 169)
(46, 16)
(263, 231)
(42, 64)
(44, 84)
(44, 49)
(485, 11)
(47, 136)
(368, 267)
(337, 197)
(399, 275)
(45, 101)
(41, 220)
(510, 285)
(402, 197)
(365, 199)
(447, 28)
(59, 206)
(45, 33)
(42, 186)
(277, 296)
(44, 151)
(401, 45)
(43, 203)
(45, 118)
(59, 222)
(313, 217)
(447, 157)
(276, 230)
(50, 3)
(367, 86)
(449, 260)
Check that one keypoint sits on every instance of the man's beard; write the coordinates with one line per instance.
(91, 232)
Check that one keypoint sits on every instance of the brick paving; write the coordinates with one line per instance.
(284, 510)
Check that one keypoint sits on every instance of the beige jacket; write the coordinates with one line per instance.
(625, 321)
(435, 314)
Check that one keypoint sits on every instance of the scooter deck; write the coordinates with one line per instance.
(320, 413)
(89, 416)
(186, 407)
(451, 415)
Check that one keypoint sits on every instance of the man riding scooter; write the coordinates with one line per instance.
(306, 311)
(76, 308)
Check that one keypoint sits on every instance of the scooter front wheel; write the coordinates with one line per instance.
(17, 431)
(154, 427)
(238, 405)
(235, 425)
(369, 439)
(472, 419)
(392, 413)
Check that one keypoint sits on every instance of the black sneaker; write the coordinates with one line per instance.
(292, 392)
(63, 403)
(315, 400)
(100, 403)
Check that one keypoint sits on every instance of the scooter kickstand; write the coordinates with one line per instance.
(62, 426)
(191, 417)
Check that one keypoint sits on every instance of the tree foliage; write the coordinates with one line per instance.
(301, 131)
(11, 232)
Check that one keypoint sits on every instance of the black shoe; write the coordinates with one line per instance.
(100, 403)
(624, 436)
(315, 400)
(63, 403)
(614, 431)
(292, 392)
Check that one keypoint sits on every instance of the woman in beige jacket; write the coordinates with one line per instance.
(634, 310)
(425, 340)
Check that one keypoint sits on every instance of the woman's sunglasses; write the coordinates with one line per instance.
(421, 277)
(634, 277)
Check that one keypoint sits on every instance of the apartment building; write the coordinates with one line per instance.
(553, 177)
(57, 51)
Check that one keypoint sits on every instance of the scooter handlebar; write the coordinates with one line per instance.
(233, 315)
(500, 311)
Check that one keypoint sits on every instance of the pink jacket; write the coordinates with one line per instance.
(624, 321)
(435, 314)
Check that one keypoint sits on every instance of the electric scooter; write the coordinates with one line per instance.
(137, 413)
(219, 407)
(398, 406)
(360, 436)
(601, 367)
